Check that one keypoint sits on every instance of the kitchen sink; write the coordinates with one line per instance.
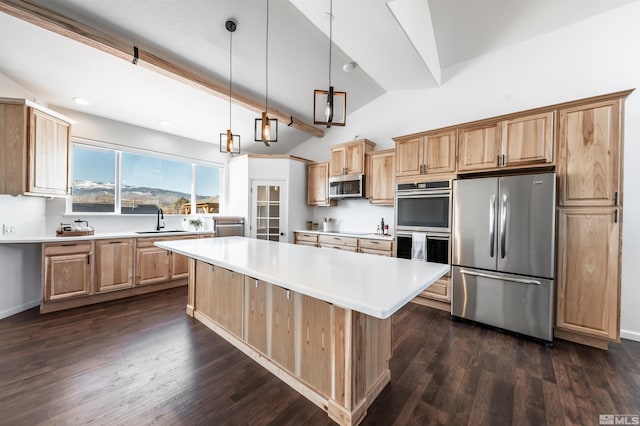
(160, 231)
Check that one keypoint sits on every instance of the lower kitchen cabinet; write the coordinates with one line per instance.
(114, 264)
(305, 239)
(67, 270)
(375, 246)
(340, 243)
(90, 271)
(588, 276)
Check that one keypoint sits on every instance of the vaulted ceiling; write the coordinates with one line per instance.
(396, 45)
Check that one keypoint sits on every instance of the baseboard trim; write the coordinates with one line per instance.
(630, 335)
(20, 308)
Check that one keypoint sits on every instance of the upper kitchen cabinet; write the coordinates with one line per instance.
(527, 140)
(380, 177)
(349, 158)
(318, 185)
(589, 154)
(517, 142)
(428, 153)
(34, 155)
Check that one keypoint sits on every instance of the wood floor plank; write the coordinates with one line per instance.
(142, 361)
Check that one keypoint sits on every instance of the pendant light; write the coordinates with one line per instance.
(331, 104)
(266, 129)
(229, 142)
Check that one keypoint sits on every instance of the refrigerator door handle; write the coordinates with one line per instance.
(503, 226)
(500, 277)
(492, 225)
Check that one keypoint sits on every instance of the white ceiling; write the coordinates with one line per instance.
(398, 45)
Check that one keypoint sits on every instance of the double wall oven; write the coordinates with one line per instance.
(424, 210)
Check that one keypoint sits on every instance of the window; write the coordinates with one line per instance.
(144, 183)
(94, 180)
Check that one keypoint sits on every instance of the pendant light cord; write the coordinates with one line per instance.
(330, 36)
(230, 74)
(266, 61)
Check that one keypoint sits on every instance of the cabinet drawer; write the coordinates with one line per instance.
(67, 248)
(440, 288)
(307, 243)
(339, 247)
(301, 236)
(338, 241)
(387, 253)
(376, 244)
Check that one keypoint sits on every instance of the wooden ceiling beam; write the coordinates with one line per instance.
(70, 28)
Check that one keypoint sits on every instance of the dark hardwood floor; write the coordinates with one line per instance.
(143, 361)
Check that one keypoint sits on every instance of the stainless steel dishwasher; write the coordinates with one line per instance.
(228, 226)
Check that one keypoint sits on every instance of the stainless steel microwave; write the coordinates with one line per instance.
(349, 186)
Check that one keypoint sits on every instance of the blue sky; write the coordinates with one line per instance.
(141, 170)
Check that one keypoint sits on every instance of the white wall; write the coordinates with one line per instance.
(243, 170)
(592, 57)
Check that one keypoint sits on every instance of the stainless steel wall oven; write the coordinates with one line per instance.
(424, 207)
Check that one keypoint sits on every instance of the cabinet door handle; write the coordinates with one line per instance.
(615, 216)
(69, 245)
(615, 199)
(498, 160)
(504, 160)
(115, 242)
(88, 259)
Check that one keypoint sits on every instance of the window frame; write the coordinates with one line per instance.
(119, 149)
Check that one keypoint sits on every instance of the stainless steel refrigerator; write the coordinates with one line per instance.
(503, 252)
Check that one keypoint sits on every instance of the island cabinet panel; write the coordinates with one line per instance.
(67, 270)
(588, 299)
(283, 328)
(589, 154)
(114, 264)
(315, 345)
(255, 310)
(335, 357)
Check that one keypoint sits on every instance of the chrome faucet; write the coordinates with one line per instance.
(160, 221)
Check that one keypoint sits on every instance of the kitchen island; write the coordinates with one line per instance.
(319, 319)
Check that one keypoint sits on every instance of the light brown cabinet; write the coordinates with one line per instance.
(318, 185)
(516, 142)
(256, 313)
(155, 264)
(67, 270)
(428, 153)
(336, 242)
(34, 156)
(589, 216)
(306, 239)
(589, 154)
(315, 347)
(588, 278)
(219, 295)
(380, 177)
(114, 264)
(375, 246)
(349, 158)
(283, 327)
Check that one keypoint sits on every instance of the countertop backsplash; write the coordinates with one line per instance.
(355, 216)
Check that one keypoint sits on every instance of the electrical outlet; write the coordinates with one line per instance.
(8, 229)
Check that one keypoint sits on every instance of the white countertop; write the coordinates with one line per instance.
(374, 285)
(372, 236)
(52, 238)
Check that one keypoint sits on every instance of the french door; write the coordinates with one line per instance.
(268, 207)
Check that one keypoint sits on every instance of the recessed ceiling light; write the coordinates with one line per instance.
(81, 101)
(165, 123)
